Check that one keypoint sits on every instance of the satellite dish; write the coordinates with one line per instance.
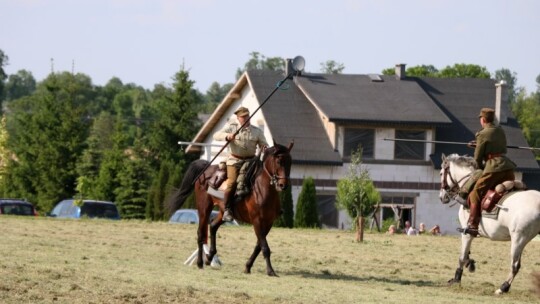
(298, 63)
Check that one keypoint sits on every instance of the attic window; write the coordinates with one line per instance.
(375, 78)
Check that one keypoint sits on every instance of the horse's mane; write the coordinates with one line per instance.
(461, 160)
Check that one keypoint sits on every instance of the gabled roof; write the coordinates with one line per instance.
(461, 99)
(294, 111)
(290, 116)
(359, 99)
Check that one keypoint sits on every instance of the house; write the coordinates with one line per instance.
(328, 116)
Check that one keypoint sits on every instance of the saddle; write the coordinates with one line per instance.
(216, 180)
(490, 200)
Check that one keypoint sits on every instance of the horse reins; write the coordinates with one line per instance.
(274, 177)
(454, 190)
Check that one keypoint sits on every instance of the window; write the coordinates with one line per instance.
(407, 149)
(357, 137)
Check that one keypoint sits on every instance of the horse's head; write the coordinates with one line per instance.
(277, 164)
(455, 171)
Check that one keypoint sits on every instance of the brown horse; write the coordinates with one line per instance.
(259, 208)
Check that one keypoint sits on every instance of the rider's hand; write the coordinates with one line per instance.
(230, 137)
(471, 144)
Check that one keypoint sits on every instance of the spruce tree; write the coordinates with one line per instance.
(157, 194)
(132, 192)
(307, 215)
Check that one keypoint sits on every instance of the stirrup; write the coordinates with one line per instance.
(471, 231)
(227, 217)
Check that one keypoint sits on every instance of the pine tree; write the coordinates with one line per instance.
(307, 215)
(155, 209)
(112, 164)
(132, 192)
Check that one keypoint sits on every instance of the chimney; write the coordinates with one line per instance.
(501, 102)
(400, 71)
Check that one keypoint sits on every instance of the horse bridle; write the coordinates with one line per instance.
(274, 177)
(454, 190)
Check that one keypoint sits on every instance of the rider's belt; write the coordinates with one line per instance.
(242, 157)
(493, 155)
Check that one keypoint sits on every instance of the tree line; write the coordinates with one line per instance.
(65, 137)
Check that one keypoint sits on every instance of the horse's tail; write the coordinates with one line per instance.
(178, 197)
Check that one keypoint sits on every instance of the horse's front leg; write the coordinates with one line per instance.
(252, 258)
(262, 245)
(464, 259)
(266, 253)
(518, 244)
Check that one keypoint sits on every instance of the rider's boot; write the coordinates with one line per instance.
(474, 220)
(228, 197)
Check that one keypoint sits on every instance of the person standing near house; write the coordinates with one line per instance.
(242, 146)
(489, 153)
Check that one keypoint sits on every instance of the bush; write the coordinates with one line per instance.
(307, 215)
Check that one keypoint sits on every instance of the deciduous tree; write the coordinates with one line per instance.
(356, 194)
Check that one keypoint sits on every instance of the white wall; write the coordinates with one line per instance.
(248, 100)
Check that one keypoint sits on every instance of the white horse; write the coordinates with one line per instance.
(518, 220)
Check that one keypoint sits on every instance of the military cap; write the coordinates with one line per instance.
(487, 113)
(242, 111)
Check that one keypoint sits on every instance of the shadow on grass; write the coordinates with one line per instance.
(326, 275)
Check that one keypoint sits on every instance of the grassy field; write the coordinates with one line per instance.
(44, 260)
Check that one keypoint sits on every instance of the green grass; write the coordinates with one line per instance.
(44, 260)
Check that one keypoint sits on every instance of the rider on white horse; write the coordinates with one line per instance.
(489, 153)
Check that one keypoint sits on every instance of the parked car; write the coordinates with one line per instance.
(15, 206)
(72, 208)
(191, 216)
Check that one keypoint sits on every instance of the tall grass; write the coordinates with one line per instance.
(44, 260)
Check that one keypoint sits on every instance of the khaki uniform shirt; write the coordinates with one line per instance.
(491, 140)
(245, 143)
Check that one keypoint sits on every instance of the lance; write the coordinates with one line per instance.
(471, 144)
(298, 64)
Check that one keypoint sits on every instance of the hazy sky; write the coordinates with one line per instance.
(147, 41)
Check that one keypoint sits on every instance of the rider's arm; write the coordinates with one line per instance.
(226, 133)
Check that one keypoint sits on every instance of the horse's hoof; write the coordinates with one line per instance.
(272, 274)
(452, 281)
(498, 292)
(247, 271)
(471, 265)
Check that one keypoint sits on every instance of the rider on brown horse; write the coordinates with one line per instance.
(489, 153)
(242, 147)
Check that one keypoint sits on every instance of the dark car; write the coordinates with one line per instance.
(72, 208)
(191, 216)
(16, 207)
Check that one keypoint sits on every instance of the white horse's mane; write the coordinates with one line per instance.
(461, 160)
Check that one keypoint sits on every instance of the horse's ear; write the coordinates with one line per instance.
(291, 144)
(443, 157)
(274, 142)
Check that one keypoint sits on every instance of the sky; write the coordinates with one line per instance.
(147, 41)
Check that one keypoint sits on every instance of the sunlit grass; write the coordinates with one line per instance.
(45, 260)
